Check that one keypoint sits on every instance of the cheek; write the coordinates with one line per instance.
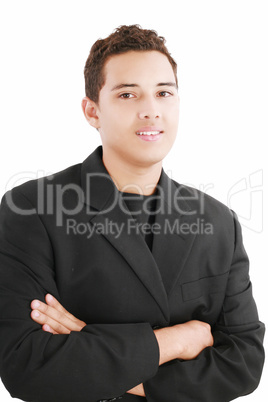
(118, 117)
(109, 123)
(173, 116)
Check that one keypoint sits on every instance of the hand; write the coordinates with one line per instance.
(138, 390)
(183, 341)
(193, 337)
(53, 317)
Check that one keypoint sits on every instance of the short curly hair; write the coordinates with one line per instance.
(125, 38)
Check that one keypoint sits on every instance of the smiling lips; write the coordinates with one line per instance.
(149, 133)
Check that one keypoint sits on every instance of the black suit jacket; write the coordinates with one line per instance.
(67, 243)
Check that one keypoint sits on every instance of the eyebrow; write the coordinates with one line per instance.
(160, 84)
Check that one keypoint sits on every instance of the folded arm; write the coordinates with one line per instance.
(233, 366)
(81, 361)
(182, 341)
(98, 362)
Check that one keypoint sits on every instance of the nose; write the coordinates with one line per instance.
(148, 109)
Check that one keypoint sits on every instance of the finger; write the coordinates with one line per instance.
(59, 316)
(43, 319)
(47, 328)
(53, 302)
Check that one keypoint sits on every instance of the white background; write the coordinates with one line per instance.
(221, 50)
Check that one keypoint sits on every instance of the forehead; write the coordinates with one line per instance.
(138, 66)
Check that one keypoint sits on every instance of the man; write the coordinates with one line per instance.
(116, 281)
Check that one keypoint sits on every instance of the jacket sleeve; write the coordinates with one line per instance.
(100, 362)
(233, 366)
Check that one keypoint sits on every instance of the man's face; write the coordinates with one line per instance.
(138, 109)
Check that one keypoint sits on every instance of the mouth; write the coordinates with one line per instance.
(149, 134)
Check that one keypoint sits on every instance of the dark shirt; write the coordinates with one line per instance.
(142, 209)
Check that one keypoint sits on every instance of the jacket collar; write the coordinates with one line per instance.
(97, 185)
(101, 193)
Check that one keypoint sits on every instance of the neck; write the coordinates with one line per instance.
(131, 178)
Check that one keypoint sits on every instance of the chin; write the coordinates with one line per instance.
(156, 156)
(150, 160)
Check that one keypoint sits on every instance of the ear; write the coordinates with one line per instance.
(90, 110)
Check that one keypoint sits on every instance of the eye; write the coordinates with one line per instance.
(164, 94)
(126, 95)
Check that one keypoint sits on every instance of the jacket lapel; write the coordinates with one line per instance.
(171, 247)
(160, 269)
(101, 197)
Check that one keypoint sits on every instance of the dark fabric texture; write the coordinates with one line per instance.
(66, 244)
(142, 209)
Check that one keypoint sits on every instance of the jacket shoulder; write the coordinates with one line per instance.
(205, 204)
(31, 188)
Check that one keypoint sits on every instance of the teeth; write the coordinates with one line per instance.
(148, 132)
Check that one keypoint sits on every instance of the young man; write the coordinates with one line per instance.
(115, 280)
